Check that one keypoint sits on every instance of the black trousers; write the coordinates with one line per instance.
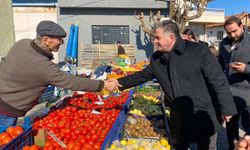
(208, 143)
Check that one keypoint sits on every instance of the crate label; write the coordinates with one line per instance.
(99, 98)
(99, 103)
(95, 112)
(57, 139)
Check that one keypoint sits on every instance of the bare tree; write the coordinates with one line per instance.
(179, 12)
(153, 19)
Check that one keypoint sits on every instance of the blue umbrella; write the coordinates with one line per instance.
(70, 41)
(75, 44)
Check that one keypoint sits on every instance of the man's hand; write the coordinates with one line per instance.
(111, 84)
(226, 118)
(238, 66)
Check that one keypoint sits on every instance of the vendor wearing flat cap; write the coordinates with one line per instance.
(28, 70)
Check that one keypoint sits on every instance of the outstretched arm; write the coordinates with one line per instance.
(137, 78)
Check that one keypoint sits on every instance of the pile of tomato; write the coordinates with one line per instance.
(11, 133)
(88, 101)
(32, 147)
(78, 129)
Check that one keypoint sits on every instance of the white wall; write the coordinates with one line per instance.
(26, 20)
(212, 33)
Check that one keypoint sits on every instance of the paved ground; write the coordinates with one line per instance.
(221, 140)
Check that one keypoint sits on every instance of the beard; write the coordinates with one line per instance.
(237, 39)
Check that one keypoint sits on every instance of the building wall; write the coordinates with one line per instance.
(210, 15)
(200, 29)
(26, 20)
(246, 20)
(87, 17)
(212, 33)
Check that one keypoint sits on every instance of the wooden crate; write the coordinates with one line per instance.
(91, 54)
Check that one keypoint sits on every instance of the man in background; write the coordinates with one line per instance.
(120, 48)
(234, 57)
(189, 35)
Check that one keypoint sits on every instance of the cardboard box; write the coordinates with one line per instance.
(41, 137)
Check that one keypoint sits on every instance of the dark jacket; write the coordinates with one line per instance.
(239, 82)
(203, 42)
(193, 70)
(26, 73)
(121, 50)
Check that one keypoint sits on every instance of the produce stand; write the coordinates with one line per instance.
(113, 110)
(123, 140)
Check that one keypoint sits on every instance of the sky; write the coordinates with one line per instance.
(231, 6)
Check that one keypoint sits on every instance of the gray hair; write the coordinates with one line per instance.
(169, 26)
(39, 39)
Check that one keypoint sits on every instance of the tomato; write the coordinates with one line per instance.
(56, 145)
(61, 124)
(26, 148)
(92, 132)
(49, 148)
(6, 140)
(82, 141)
(91, 142)
(87, 147)
(97, 146)
(34, 147)
(88, 137)
(77, 146)
(77, 132)
(18, 130)
(3, 135)
(70, 145)
(48, 143)
(10, 130)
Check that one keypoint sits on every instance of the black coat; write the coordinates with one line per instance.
(239, 82)
(193, 73)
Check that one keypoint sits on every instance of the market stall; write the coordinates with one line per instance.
(134, 118)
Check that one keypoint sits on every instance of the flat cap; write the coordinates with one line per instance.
(50, 28)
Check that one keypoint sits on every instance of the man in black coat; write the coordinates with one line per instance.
(234, 57)
(187, 72)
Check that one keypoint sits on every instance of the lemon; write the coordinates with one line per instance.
(168, 147)
(141, 148)
(131, 141)
(164, 142)
(113, 146)
(123, 142)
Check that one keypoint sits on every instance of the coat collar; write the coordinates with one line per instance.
(179, 46)
(42, 51)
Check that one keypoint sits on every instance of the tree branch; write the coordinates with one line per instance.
(143, 25)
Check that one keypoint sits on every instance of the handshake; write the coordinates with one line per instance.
(111, 84)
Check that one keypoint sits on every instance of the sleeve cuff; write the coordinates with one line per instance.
(101, 85)
(247, 69)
